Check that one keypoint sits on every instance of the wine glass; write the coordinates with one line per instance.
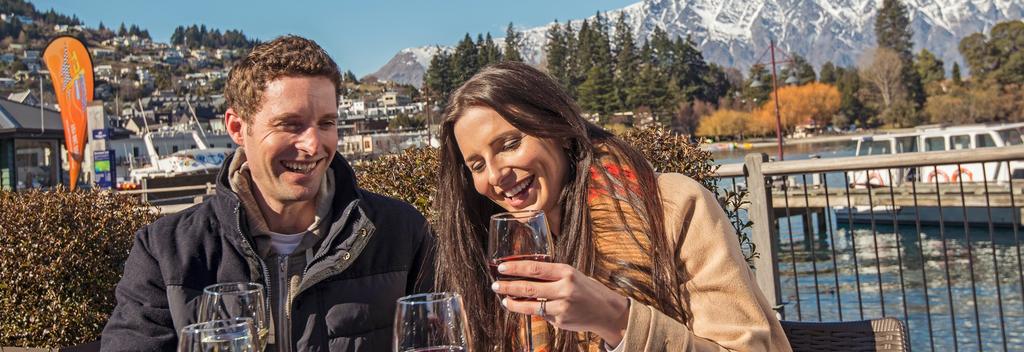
(229, 335)
(519, 235)
(237, 300)
(431, 322)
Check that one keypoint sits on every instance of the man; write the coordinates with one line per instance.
(287, 214)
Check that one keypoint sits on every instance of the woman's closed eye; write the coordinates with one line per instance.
(511, 144)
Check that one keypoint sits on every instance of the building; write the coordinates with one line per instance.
(31, 147)
(25, 97)
(392, 98)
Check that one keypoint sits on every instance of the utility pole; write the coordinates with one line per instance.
(775, 89)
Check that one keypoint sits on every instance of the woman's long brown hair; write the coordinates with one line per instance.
(532, 102)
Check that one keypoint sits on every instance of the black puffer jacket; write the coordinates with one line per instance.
(377, 250)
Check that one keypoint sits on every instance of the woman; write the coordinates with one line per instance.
(636, 267)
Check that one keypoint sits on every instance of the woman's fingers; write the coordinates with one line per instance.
(552, 309)
(537, 270)
(526, 289)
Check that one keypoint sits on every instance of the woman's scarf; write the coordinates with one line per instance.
(620, 230)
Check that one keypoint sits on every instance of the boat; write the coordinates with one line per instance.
(937, 139)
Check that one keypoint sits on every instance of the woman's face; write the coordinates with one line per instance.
(514, 170)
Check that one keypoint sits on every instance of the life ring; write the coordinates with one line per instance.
(874, 175)
(938, 176)
(963, 171)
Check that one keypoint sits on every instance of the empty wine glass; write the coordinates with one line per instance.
(237, 300)
(229, 335)
(431, 322)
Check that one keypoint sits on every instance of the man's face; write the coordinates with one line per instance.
(290, 141)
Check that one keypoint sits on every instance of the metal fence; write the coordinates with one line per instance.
(929, 238)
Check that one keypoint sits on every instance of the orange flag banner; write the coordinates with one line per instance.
(71, 72)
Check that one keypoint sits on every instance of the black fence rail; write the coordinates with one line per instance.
(932, 239)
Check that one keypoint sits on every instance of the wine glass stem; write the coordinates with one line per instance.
(529, 333)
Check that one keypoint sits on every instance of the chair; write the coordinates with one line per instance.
(92, 346)
(884, 334)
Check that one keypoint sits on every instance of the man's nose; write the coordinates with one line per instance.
(309, 141)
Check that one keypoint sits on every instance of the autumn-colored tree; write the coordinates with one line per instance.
(813, 103)
(725, 123)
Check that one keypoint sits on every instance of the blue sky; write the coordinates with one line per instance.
(360, 35)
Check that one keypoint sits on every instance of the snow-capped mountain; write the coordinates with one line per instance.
(737, 32)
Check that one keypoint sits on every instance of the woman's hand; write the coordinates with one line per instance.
(574, 301)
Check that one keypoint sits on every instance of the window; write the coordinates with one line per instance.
(174, 149)
(875, 148)
(906, 144)
(932, 144)
(135, 151)
(984, 140)
(1010, 137)
(960, 142)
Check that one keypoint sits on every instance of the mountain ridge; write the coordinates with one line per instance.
(736, 32)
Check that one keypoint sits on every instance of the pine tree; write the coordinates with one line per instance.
(557, 54)
(956, 74)
(351, 77)
(513, 44)
(892, 29)
(929, 67)
(439, 77)
(828, 73)
(757, 93)
(122, 31)
(464, 61)
(850, 105)
(489, 53)
(626, 61)
(596, 93)
(689, 72)
(799, 68)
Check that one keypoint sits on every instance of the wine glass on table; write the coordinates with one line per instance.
(229, 335)
(237, 300)
(431, 322)
(519, 235)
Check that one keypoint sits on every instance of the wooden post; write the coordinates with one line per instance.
(145, 186)
(764, 232)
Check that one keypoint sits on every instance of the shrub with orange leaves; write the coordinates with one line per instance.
(812, 103)
(725, 123)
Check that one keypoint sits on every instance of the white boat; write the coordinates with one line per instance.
(941, 139)
(936, 139)
(200, 160)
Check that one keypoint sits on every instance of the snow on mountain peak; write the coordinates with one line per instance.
(735, 32)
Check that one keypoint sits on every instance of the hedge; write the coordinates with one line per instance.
(61, 254)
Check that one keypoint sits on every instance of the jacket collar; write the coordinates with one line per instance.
(228, 205)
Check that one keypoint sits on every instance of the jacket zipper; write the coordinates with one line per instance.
(284, 321)
(251, 252)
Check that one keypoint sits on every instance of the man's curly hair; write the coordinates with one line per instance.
(288, 55)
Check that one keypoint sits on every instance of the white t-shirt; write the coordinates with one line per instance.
(285, 244)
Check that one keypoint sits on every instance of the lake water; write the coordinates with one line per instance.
(900, 271)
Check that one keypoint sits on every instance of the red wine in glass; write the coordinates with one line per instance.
(493, 264)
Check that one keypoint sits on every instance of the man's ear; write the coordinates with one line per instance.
(235, 126)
